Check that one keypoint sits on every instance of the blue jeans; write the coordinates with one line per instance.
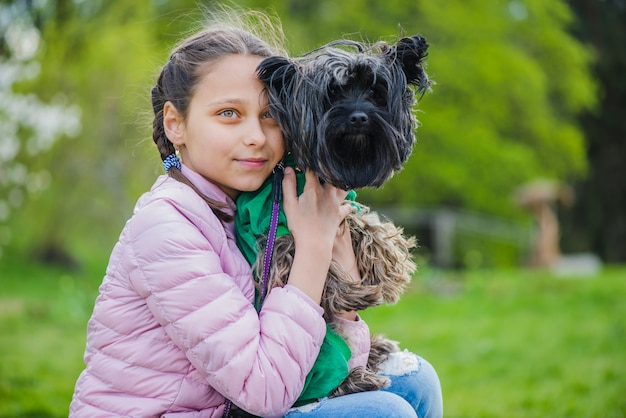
(415, 391)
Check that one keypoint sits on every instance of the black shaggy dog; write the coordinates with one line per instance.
(346, 111)
(349, 116)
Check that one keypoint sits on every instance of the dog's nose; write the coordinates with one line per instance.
(358, 119)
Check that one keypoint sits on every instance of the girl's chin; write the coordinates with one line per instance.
(252, 186)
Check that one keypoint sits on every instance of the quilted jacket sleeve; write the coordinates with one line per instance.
(357, 334)
(259, 361)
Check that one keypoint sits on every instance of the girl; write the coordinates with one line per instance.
(174, 332)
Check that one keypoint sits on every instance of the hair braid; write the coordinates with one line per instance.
(166, 148)
(161, 140)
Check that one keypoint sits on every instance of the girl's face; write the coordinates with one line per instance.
(229, 136)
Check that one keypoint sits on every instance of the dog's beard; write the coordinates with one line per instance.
(350, 156)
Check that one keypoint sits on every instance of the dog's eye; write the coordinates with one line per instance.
(378, 95)
(333, 90)
(374, 94)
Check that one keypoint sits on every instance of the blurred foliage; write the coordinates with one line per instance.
(30, 125)
(509, 86)
(510, 77)
(102, 55)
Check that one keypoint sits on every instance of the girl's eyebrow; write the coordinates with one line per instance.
(226, 101)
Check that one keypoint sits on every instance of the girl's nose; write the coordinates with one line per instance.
(255, 136)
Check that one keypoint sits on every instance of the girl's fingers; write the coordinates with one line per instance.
(317, 199)
(290, 194)
(346, 209)
(313, 182)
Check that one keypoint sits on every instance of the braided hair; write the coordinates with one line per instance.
(229, 33)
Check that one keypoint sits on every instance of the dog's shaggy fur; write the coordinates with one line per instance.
(348, 117)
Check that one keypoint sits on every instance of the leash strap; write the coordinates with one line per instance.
(277, 197)
(226, 413)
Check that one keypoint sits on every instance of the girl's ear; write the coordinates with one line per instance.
(173, 124)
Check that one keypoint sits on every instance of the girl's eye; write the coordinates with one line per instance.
(228, 113)
(266, 115)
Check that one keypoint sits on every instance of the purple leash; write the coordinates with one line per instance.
(277, 197)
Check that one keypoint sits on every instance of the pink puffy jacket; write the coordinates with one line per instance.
(174, 330)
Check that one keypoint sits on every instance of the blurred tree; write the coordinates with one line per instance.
(30, 126)
(100, 55)
(597, 222)
(510, 83)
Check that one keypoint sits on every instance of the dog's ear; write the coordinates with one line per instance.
(276, 72)
(410, 53)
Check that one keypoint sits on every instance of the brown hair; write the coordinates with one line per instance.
(228, 32)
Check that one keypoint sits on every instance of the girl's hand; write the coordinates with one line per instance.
(313, 218)
(316, 214)
(343, 252)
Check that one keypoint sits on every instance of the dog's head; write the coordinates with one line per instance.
(348, 114)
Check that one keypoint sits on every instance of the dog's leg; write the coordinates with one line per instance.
(380, 349)
(360, 379)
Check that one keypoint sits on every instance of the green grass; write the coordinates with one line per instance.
(519, 343)
(43, 314)
(505, 343)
